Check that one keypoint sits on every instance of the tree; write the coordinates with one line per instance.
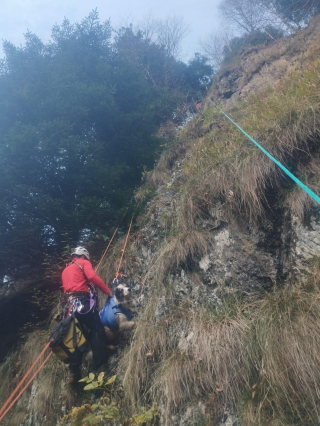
(167, 33)
(215, 45)
(198, 75)
(175, 79)
(78, 123)
(246, 15)
(298, 12)
(237, 44)
(252, 15)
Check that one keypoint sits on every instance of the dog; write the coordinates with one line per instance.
(116, 315)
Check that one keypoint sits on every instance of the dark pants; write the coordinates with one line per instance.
(96, 337)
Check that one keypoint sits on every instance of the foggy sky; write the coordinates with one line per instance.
(38, 16)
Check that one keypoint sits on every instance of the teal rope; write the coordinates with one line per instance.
(308, 190)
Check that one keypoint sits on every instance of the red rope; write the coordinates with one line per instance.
(124, 249)
(22, 380)
(28, 383)
(106, 250)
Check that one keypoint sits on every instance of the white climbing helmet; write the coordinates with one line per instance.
(80, 251)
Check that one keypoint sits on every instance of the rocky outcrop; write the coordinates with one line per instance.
(263, 65)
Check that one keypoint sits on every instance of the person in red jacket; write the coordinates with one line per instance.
(76, 280)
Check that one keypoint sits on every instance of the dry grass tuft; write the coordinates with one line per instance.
(150, 340)
(223, 166)
(206, 361)
(261, 356)
(185, 353)
(182, 249)
(286, 350)
(43, 397)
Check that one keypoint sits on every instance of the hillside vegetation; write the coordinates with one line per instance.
(244, 343)
(224, 260)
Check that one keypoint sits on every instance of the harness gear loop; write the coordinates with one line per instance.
(123, 250)
(3, 413)
(76, 300)
(304, 187)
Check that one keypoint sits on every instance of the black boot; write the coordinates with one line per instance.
(74, 377)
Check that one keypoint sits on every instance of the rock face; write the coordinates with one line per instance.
(306, 245)
(241, 257)
(247, 258)
(259, 66)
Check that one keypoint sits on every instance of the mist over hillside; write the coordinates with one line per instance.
(223, 256)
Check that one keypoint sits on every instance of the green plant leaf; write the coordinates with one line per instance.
(111, 380)
(101, 376)
(91, 386)
(91, 419)
(111, 415)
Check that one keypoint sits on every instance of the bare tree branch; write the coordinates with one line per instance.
(215, 44)
(168, 32)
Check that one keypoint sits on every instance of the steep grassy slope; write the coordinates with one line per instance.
(227, 256)
(224, 261)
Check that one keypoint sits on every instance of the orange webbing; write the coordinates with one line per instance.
(124, 249)
(23, 379)
(21, 392)
(105, 252)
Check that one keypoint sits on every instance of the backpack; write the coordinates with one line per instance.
(66, 338)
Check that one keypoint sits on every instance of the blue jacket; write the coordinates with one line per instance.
(107, 314)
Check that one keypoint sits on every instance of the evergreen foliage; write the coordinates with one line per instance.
(79, 118)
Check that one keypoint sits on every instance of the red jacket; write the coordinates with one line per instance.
(76, 279)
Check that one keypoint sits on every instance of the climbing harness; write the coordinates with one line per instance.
(69, 336)
(76, 301)
(304, 187)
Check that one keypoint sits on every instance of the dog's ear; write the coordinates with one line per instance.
(119, 293)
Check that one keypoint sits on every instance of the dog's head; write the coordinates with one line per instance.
(123, 295)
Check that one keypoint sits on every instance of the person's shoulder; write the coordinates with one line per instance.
(84, 262)
(66, 267)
